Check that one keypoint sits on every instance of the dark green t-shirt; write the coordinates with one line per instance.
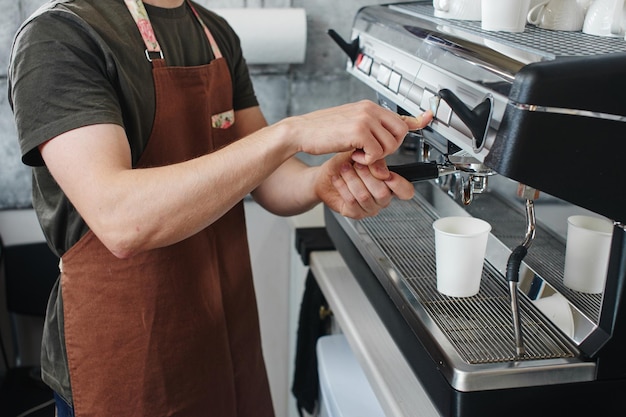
(82, 62)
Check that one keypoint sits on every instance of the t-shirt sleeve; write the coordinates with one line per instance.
(56, 82)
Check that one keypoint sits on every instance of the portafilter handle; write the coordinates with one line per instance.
(421, 171)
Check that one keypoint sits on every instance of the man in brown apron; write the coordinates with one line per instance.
(158, 306)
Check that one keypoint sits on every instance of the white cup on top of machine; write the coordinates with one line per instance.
(504, 15)
(606, 18)
(457, 9)
(460, 246)
(587, 253)
(584, 4)
(566, 15)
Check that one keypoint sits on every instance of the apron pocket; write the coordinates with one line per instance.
(223, 120)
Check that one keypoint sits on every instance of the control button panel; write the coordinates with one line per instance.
(384, 74)
(429, 101)
(394, 82)
(444, 112)
(364, 63)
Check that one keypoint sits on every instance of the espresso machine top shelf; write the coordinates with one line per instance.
(532, 45)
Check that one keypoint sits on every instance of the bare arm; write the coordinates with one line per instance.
(133, 210)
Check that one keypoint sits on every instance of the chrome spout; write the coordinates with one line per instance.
(475, 184)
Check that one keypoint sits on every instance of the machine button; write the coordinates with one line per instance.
(384, 73)
(394, 81)
(364, 63)
(426, 100)
(444, 112)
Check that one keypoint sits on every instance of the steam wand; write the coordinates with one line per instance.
(515, 261)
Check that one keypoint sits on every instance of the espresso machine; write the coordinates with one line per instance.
(529, 128)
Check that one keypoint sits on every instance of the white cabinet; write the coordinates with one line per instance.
(279, 277)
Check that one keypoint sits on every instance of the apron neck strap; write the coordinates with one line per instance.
(140, 15)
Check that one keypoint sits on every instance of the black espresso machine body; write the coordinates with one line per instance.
(538, 108)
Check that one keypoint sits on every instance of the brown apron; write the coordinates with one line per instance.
(173, 331)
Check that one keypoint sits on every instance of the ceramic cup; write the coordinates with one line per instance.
(587, 253)
(460, 245)
(585, 5)
(457, 9)
(504, 16)
(566, 15)
(605, 18)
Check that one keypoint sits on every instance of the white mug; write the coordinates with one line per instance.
(457, 9)
(585, 5)
(504, 16)
(606, 18)
(566, 15)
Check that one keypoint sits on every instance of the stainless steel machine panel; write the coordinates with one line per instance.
(540, 109)
(408, 55)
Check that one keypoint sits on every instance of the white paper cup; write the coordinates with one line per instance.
(460, 245)
(504, 15)
(587, 253)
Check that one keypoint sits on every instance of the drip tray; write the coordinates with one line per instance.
(478, 327)
(471, 337)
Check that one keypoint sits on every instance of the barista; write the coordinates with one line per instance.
(144, 134)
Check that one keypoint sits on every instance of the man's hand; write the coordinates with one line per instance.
(366, 129)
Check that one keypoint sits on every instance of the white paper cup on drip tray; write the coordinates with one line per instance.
(587, 253)
(460, 246)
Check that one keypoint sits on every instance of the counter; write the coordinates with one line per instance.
(397, 388)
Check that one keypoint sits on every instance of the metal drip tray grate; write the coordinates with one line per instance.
(546, 255)
(479, 327)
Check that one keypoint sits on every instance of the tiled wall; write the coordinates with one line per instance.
(283, 90)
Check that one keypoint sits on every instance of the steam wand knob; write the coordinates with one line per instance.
(351, 49)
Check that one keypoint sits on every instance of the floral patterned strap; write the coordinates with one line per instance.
(209, 35)
(139, 13)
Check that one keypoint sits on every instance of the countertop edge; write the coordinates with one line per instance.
(397, 388)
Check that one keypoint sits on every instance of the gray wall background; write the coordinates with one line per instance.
(283, 90)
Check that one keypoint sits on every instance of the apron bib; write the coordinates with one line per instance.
(173, 331)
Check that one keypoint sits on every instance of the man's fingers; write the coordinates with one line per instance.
(419, 122)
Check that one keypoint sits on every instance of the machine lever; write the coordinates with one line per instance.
(476, 119)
